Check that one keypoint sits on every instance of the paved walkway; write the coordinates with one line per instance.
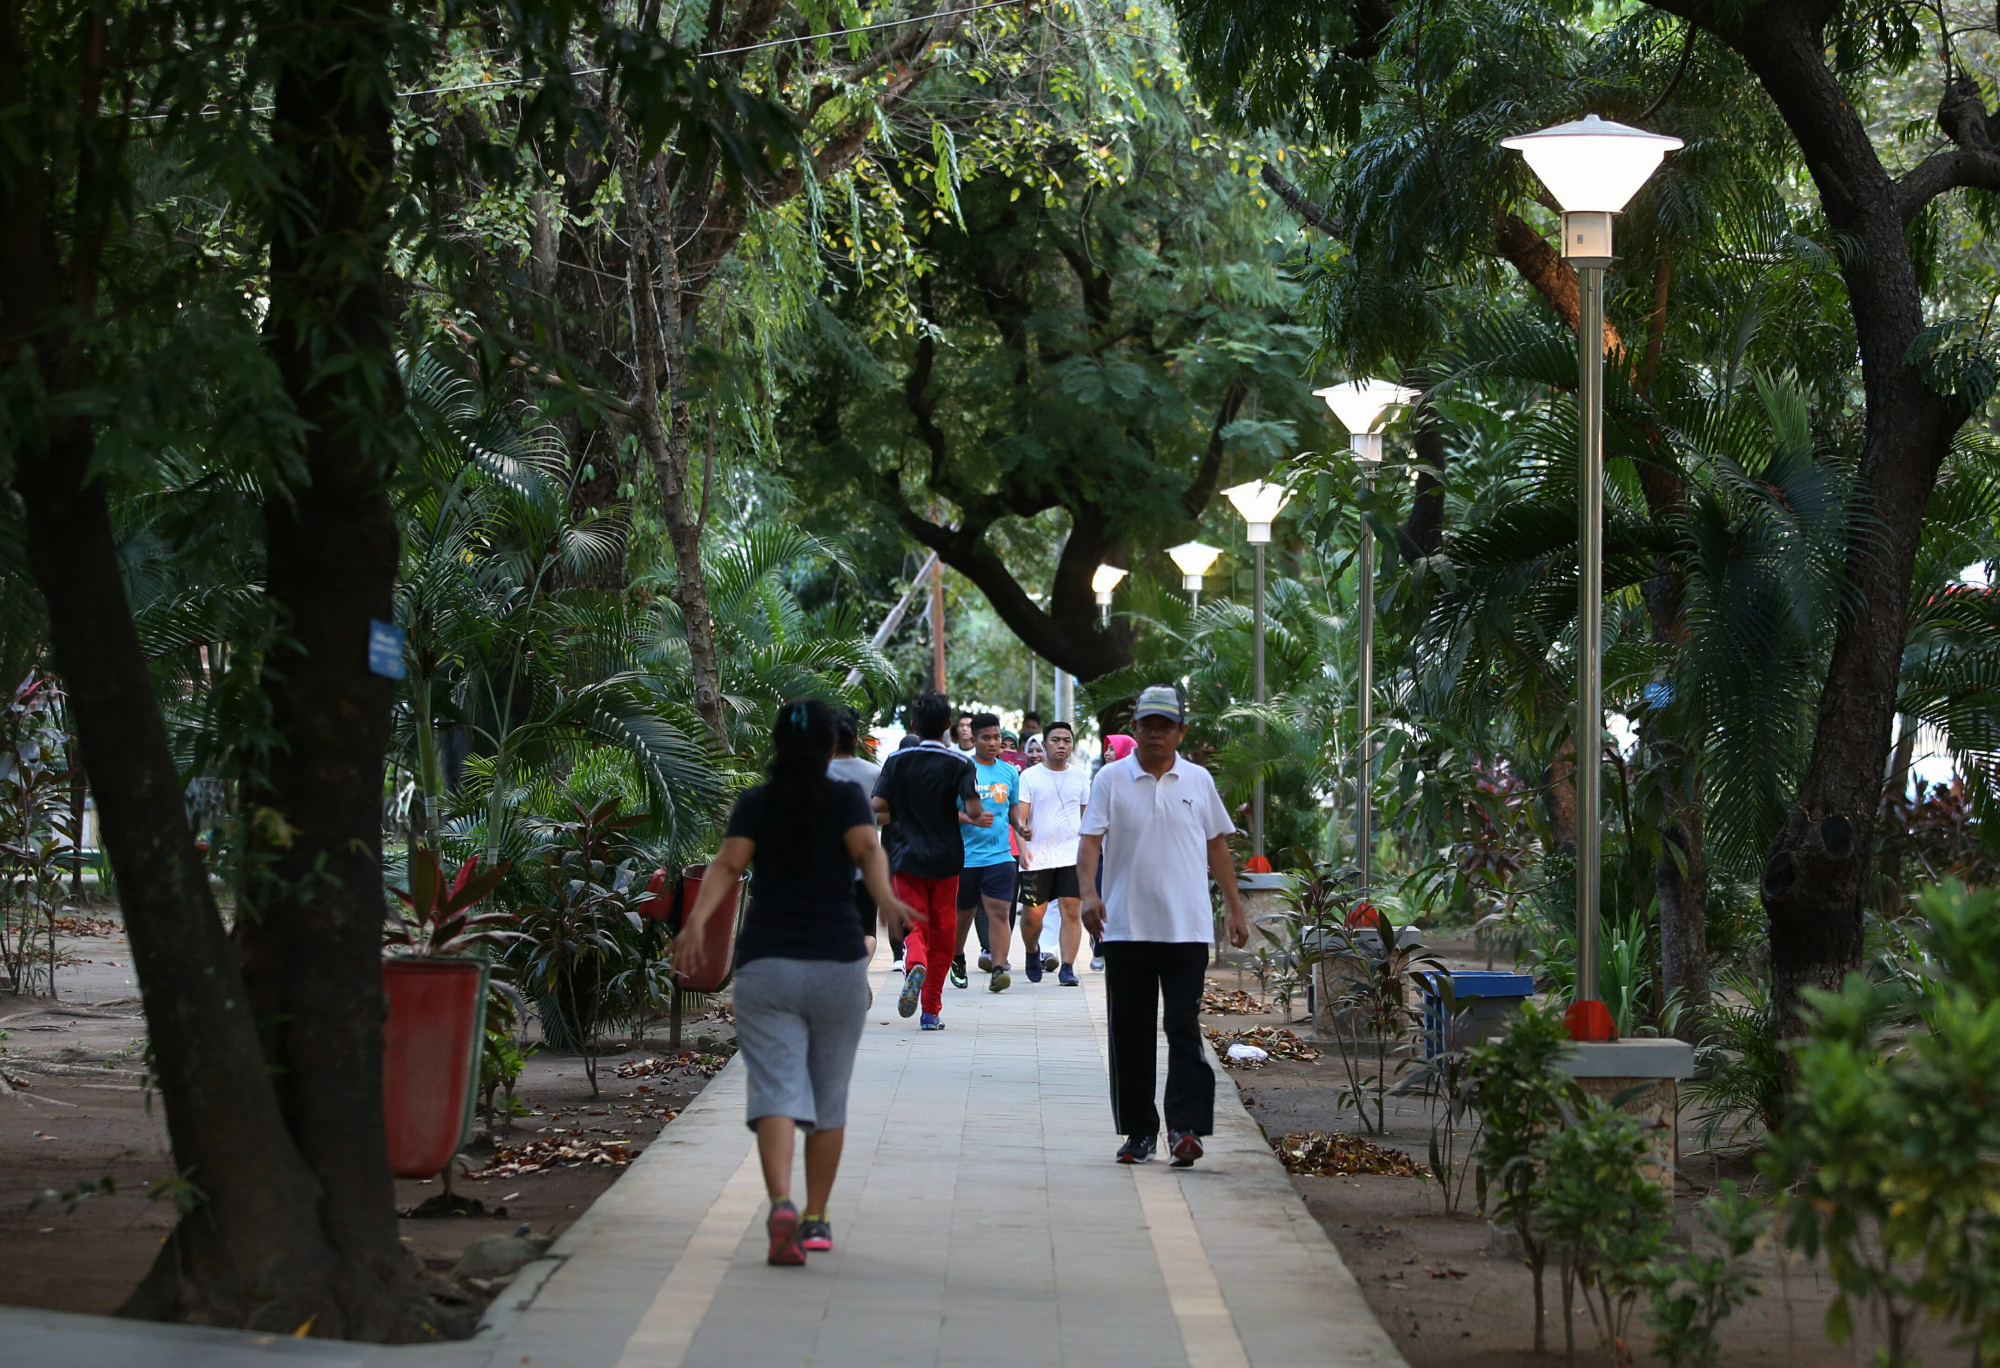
(979, 1219)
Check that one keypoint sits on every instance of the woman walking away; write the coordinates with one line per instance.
(801, 967)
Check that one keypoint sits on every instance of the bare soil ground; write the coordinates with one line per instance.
(79, 1114)
(1431, 1272)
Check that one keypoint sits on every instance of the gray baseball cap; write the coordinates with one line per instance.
(1160, 700)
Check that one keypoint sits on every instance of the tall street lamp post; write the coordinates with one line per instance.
(1193, 558)
(1361, 405)
(1592, 167)
(1259, 502)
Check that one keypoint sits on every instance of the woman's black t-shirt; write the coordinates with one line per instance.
(802, 911)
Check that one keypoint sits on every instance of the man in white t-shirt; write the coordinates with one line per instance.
(1055, 794)
(1159, 827)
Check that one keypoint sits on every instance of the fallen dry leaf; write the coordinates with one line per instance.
(1230, 1002)
(1332, 1156)
(707, 1065)
(1275, 1041)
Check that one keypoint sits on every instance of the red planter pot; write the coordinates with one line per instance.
(430, 1058)
(718, 937)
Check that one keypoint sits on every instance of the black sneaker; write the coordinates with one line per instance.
(1032, 966)
(958, 978)
(1185, 1146)
(1138, 1149)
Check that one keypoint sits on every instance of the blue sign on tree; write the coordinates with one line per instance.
(385, 650)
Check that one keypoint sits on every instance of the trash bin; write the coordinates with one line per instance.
(718, 937)
(1485, 1001)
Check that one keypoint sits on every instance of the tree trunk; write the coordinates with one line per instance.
(1817, 874)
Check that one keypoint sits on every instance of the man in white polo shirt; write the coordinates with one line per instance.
(1161, 832)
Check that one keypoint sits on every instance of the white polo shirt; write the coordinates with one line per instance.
(1156, 834)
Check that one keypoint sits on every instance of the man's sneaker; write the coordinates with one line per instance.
(1033, 966)
(1049, 962)
(815, 1235)
(1137, 1149)
(913, 988)
(985, 962)
(1066, 976)
(930, 1021)
(958, 979)
(783, 1228)
(898, 965)
(1185, 1146)
(1097, 964)
(1000, 980)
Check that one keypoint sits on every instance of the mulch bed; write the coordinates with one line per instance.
(1275, 1041)
(1334, 1156)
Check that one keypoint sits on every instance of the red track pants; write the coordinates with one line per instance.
(933, 941)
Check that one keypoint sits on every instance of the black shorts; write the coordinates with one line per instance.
(1039, 886)
(988, 881)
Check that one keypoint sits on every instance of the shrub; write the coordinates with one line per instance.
(1697, 1292)
(1520, 1096)
(1602, 1216)
(1892, 1154)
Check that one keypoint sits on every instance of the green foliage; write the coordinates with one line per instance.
(38, 838)
(1890, 1154)
(1696, 1292)
(1603, 1215)
(1741, 1075)
(1520, 1096)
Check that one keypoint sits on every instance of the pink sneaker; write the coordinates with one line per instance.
(783, 1228)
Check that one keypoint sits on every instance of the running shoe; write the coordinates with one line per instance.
(985, 962)
(930, 1021)
(1049, 963)
(1097, 964)
(1138, 1149)
(1185, 1146)
(913, 987)
(1000, 980)
(1066, 976)
(815, 1235)
(958, 978)
(898, 965)
(1033, 966)
(783, 1228)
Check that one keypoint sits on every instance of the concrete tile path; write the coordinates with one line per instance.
(979, 1220)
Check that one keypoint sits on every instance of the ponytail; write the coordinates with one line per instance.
(801, 741)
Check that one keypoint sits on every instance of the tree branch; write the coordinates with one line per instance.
(1296, 200)
(1543, 267)
(1195, 498)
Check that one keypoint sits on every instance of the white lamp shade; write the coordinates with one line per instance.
(1259, 501)
(1194, 558)
(1593, 165)
(1361, 405)
(1105, 578)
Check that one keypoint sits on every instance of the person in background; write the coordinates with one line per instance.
(1010, 749)
(991, 873)
(801, 995)
(922, 793)
(1054, 796)
(1031, 727)
(1159, 831)
(1033, 752)
(961, 733)
(847, 765)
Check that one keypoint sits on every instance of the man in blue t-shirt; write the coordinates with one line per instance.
(988, 879)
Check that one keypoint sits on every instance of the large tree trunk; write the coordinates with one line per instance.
(311, 938)
(253, 1247)
(1818, 872)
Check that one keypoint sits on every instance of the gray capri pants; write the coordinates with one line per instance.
(798, 1023)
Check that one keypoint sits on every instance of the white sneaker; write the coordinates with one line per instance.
(985, 962)
(1097, 963)
(898, 965)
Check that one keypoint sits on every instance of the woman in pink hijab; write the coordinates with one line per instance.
(1120, 745)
